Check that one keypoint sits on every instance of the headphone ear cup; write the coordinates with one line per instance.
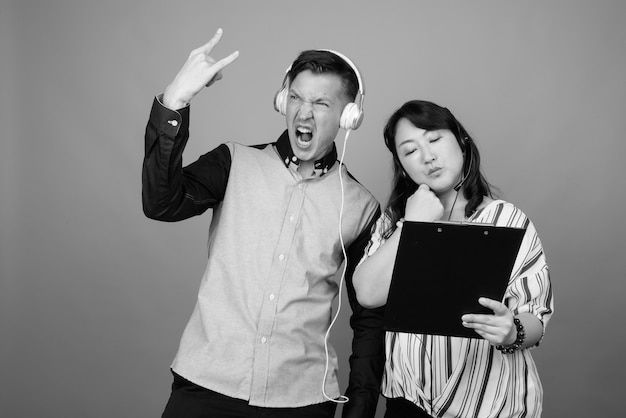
(464, 143)
(280, 101)
(351, 117)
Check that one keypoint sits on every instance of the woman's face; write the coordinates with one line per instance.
(433, 158)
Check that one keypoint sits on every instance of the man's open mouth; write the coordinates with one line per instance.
(304, 136)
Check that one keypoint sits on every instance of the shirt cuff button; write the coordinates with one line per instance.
(173, 122)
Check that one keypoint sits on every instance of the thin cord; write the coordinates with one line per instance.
(453, 204)
(342, 398)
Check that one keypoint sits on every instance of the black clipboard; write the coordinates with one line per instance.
(440, 271)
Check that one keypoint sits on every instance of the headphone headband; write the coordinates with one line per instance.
(351, 64)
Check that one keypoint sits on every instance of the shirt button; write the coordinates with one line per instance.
(263, 340)
(281, 257)
(173, 122)
(272, 296)
(292, 218)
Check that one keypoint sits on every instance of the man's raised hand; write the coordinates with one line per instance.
(199, 71)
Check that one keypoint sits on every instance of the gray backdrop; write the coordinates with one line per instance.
(94, 296)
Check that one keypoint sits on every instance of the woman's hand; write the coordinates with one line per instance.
(498, 328)
(423, 206)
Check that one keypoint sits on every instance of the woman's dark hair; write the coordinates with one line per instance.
(322, 61)
(430, 116)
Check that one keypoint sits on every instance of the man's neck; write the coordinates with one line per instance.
(306, 168)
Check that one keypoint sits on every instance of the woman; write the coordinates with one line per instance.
(437, 177)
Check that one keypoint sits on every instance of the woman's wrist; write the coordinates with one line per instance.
(519, 339)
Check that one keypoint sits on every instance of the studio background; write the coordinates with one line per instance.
(94, 296)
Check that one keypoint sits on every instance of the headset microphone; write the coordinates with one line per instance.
(460, 184)
(465, 143)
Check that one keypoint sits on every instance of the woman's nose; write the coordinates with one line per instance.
(428, 155)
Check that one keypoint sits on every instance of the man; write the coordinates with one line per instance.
(255, 342)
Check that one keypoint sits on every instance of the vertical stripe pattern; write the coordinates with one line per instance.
(463, 377)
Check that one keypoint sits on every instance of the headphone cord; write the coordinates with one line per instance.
(342, 398)
(453, 204)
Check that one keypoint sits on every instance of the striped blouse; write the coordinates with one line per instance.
(465, 377)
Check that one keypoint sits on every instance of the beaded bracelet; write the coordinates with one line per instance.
(517, 344)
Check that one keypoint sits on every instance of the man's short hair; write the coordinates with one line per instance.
(321, 62)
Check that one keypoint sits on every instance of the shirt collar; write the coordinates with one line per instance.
(283, 146)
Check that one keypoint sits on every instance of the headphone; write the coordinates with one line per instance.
(464, 143)
(351, 118)
(352, 114)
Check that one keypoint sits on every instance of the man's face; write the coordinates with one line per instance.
(314, 106)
